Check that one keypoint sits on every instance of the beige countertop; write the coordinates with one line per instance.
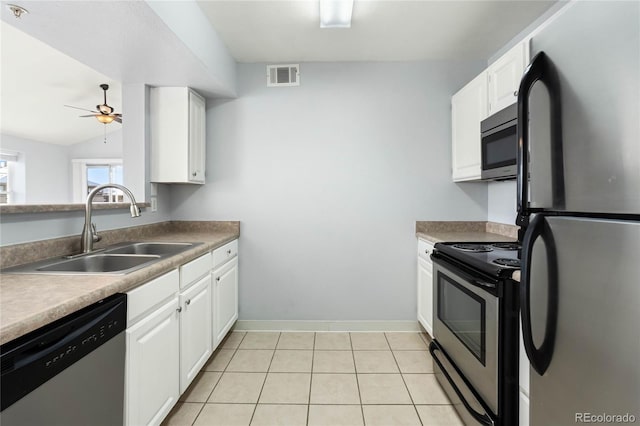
(452, 231)
(29, 301)
(462, 236)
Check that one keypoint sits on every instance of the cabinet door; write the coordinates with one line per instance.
(468, 109)
(152, 367)
(197, 142)
(425, 295)
(195, 330)
(225, 297)
(504, 78)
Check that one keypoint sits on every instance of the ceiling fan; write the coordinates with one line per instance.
(104, 113)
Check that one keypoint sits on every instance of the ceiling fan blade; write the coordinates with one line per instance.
(83, 109)
(89, 115)
(118, 119)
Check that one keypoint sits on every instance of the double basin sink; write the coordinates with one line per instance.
(119, 259)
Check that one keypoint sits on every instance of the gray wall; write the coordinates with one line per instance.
(22, 228)
(328, 180)
(501, 203)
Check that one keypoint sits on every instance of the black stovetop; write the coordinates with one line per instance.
(497, 259)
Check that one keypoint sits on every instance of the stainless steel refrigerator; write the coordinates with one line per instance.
(579, 201)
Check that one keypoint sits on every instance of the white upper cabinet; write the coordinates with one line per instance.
(468, 108)
(177, 135)
(492, 90)
(504, 77)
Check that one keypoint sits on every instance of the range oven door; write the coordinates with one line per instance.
(466, 321)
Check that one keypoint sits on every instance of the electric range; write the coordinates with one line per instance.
(475, 346)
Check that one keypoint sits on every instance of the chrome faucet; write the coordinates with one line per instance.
(89, 234)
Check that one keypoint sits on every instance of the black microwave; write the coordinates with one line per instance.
(499, 139)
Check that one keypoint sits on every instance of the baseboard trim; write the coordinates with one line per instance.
(270, 325)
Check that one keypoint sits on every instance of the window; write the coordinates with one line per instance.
(89, 173)
(4, 182)
(8, 161)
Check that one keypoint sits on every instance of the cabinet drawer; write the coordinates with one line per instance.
(225, 253)
(189, 272)
(425, 249)
(142, 299)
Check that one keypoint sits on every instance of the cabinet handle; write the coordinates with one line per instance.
(179, 309)
(515, 93)
(194, 174)
(189, 302)
(427, 251)
(218, 279)
(228, 251)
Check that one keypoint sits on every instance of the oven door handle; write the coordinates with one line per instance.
(462, 274)
(484, 419)
(540, 358)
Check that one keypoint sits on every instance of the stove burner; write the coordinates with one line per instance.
(506, 246)
(475, 248)
(512, 263)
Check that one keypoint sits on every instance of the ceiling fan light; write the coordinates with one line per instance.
(106, 119)
(336, 13)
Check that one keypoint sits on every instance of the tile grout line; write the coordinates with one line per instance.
(265, 377)
(219, 378)
(403, 381)
(313, 354)
(355, 369)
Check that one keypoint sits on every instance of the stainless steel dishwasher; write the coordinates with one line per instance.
(70, 372)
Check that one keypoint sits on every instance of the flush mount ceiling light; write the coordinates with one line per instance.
(17, 10)
(335, 13)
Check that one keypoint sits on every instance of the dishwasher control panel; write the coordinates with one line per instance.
(31, 360)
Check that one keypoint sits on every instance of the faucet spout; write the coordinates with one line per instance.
(89, 235)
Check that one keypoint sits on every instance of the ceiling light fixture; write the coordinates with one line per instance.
(336, 13)
(17, 10)
(106, 119)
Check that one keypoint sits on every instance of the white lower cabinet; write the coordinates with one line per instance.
(174, 323)
(225, 296)
(152, 384)
(425, 286)
(195, 330)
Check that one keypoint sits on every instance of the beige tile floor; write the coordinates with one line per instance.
(316, 379)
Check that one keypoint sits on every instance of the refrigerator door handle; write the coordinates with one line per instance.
(540, 358)
(540, 69)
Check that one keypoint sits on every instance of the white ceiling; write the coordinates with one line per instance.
(38, 80)
(389, 30)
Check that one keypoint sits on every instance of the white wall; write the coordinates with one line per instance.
(97, 148)
(44, 168)
(328, 180)
(502, 202)
(190, 24)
